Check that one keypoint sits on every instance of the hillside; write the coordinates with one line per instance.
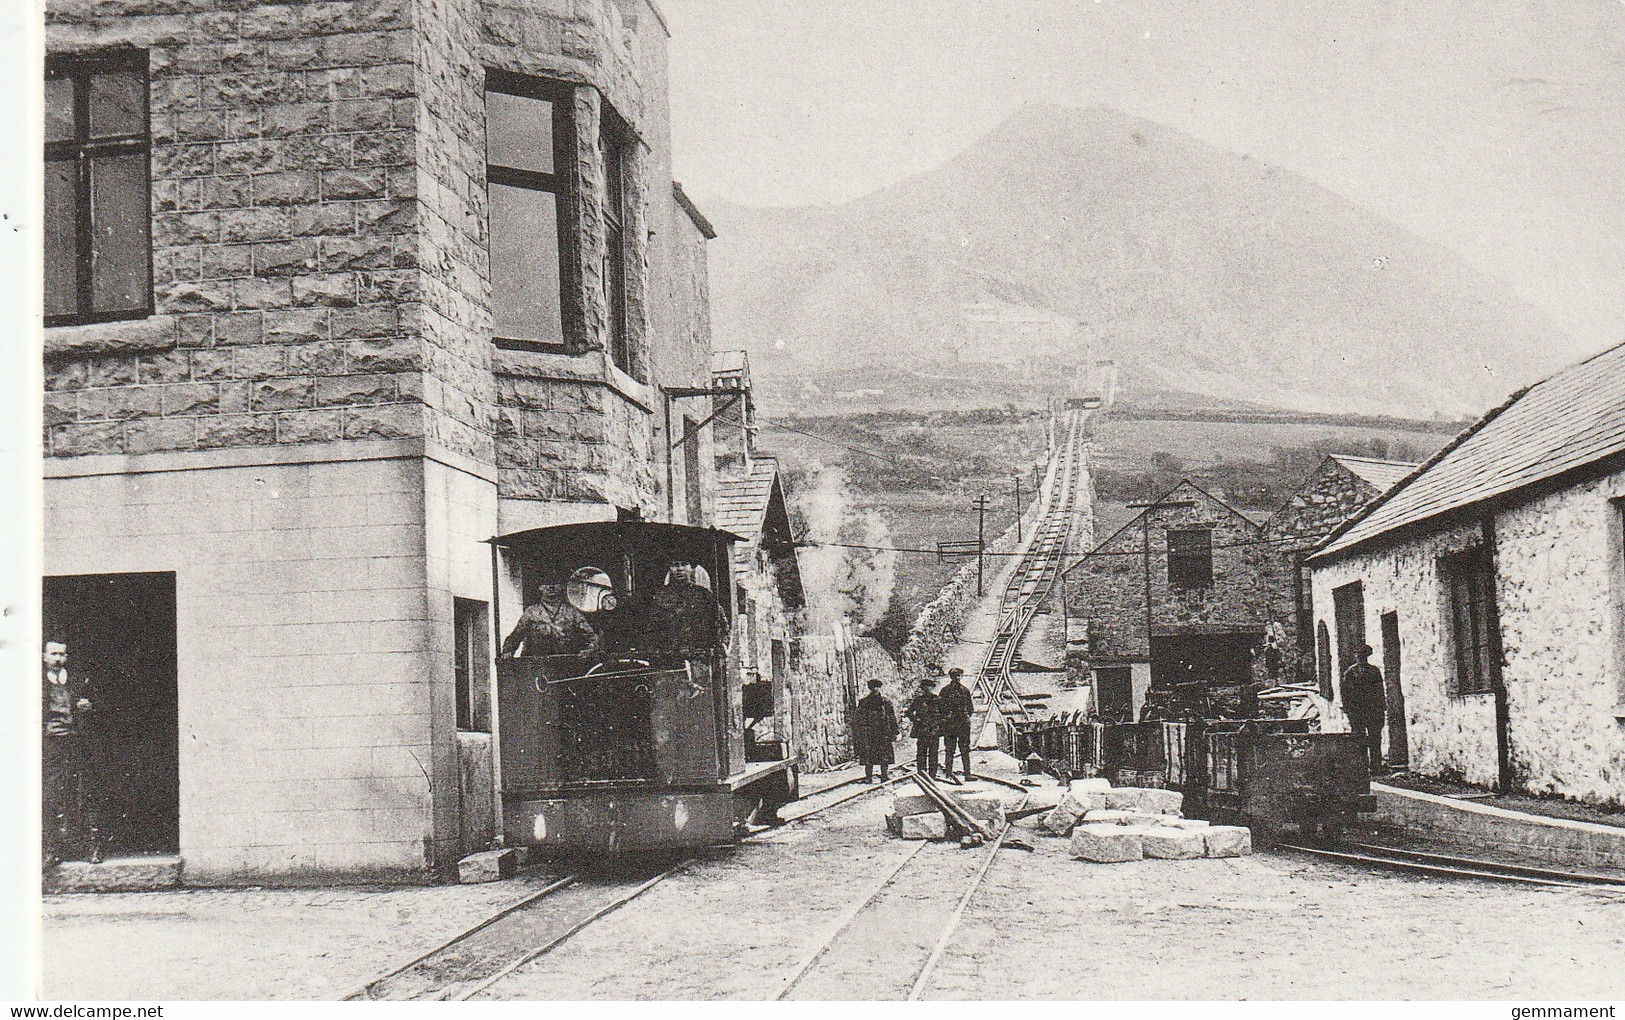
(1066, 236)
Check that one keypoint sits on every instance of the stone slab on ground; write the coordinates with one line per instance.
(1184, 823)
(1107, 844)
(116, 874)
(488, 866)
(1227, 841)
(1094, 785)
(1073, 805)
(1111, 816)
(926, 825)
(1169, 844)
(1162, 802)
(904, 804)
(985, 807)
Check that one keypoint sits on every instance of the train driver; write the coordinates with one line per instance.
(551, 626)
(686, 612)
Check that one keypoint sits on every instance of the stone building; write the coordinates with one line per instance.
(1492, 585)
(799, 688)
(1337, 490)
(1214, 588)
(334, 293)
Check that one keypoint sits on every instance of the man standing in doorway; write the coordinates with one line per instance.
(922, 713)
(68, 824)
(954, 709)
(1365, 703)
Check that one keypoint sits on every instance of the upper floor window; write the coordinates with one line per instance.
(529, 138)
(1190, 558)
(97, 226)
(1469, 582)
(613, 147)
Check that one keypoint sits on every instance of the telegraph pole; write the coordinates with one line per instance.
(980, 505)
(1018, 509)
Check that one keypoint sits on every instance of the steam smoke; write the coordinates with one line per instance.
(843, 583)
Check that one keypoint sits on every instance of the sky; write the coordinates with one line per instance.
(1493, 127)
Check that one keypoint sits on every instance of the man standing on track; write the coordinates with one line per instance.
(1366, 704)
(954, 709)
(874, 731)
(922, 713)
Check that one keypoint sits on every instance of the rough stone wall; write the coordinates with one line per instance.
(285, 269)
(1331, 496)
(1560, 586)
(1108, 588)
(1448, 736)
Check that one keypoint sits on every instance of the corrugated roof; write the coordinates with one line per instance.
(1565, 422)
(1384, 474)
(742, 501)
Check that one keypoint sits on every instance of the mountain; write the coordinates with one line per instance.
(1065, 236)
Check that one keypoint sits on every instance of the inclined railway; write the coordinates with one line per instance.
(1034, 575)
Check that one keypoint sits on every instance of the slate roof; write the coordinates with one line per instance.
(1383, 474)
(742, 501)
(1570, 420)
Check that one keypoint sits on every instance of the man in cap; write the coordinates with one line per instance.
(954, 709)
(874, 731)
(922, 714)
(1365, 701)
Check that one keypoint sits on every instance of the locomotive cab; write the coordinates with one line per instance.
(619, 706)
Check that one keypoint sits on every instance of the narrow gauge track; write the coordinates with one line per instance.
(1445, 866)
(1033, 579)
(891, 912)
(477, 958)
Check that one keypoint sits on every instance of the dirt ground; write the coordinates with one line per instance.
(735, 925)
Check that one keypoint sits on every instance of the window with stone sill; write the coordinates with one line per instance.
(97, 224)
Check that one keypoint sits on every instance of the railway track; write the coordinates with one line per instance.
(1391, 858)
(845, 964)
(477, 958)
(1033, 579)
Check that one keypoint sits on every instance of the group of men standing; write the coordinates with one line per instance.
(940, 722)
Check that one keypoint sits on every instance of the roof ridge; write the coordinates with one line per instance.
(1373, 460)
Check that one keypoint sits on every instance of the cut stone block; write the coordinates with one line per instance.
(1125, 798)
(929, 825)
(1074, 805)
(1107, 844)
(1096, 785)
(985, 807)
(1183, 823)
(488, 866)
(116, 874)
(905, 804)
(894, 825)
(1170, 844)
(1227, 841)
(1108, 816)
(1162, 802)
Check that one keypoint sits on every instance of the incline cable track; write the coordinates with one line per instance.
(1034, 577)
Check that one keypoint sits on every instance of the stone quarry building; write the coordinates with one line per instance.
(1492, 583)
(334, 293)
(1185, 592)
(1338, 489)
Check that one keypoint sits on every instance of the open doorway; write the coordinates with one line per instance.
(120, 633)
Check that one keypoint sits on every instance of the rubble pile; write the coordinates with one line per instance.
(1109, 824)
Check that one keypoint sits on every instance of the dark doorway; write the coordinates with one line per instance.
(1398, 741)
(1114, 693)
(120, 632)
(1348, 615)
